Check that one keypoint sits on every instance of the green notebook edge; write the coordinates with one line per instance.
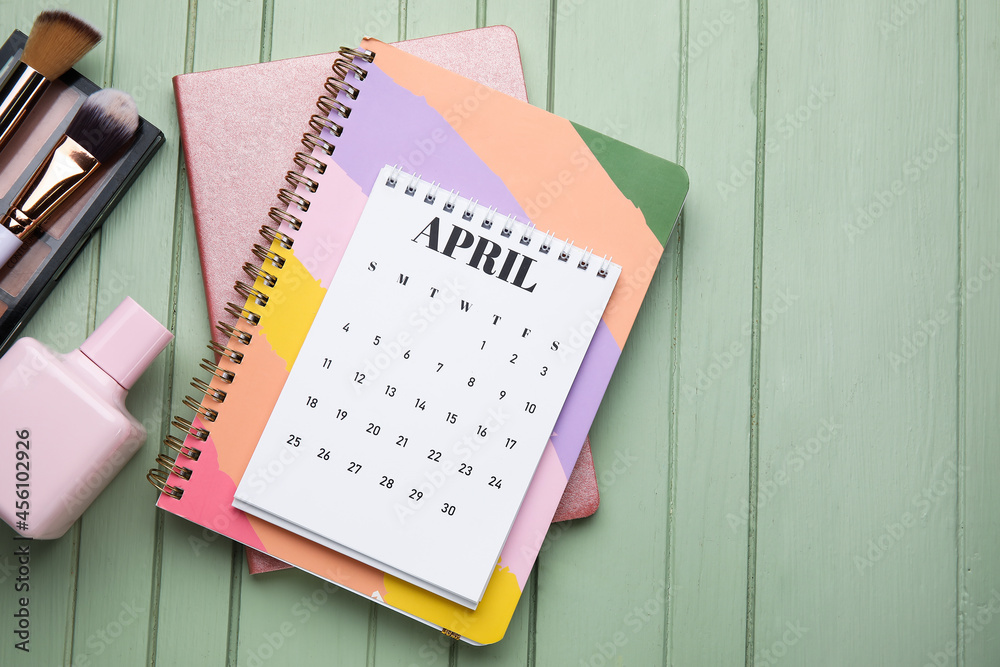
(655, 185)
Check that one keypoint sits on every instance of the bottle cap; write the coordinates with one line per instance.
(125, 344)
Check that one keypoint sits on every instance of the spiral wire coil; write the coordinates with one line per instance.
(271, 262)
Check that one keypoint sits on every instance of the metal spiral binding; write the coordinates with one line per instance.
(272, 235)
(250, 292)
(170, 463)
(207, 413)
(330, 104)
(311, 141)
(280, 216)
(175, 443)
(243, 313)
(266, 255)
(305, 160)
(320, 123)
(255, 272)
(188, 428)
(158, 478)
(217, 394)
(290, 197)
(296, 179)
(220, 371)
(224, 351)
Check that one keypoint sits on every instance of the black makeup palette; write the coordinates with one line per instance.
(31, 274)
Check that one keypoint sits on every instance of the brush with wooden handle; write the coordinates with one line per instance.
(104, 125)
(57, 42)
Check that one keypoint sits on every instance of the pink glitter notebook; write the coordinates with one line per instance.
(219, 107)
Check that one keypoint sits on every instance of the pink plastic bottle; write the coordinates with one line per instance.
(64, 429)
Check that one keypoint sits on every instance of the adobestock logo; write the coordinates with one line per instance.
(773, 653)
(711, 29)
(262, 477)
(101, 640)
(943, 484)
(606, 651)
(707, 376)
(925, 330)
(913, 171)
(899, 15)
(782, 473)
(785, 127)
(975, 623)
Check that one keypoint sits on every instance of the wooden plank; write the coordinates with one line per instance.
(118, 548)
(709, 540)
(436, 17)
(194, 558)
(228, 33)
(856, 495)
(62, 323)
(532, 21)
(293, 618)
(979, 601)
(303, 27)
(633, 99)
(601, 581)
(50, 578)
(397, 641)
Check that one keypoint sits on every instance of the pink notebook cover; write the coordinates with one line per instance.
(218, 109)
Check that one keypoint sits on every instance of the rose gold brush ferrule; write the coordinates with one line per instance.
(66, 166)
(22, 88)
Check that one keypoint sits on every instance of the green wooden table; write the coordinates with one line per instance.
(805, 418)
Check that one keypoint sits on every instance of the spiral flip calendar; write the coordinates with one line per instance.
(428, 385)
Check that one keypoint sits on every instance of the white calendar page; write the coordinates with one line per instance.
(424, 394)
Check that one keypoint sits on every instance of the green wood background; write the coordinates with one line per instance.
(808, 404)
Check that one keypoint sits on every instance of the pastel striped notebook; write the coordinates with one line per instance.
(550, 190)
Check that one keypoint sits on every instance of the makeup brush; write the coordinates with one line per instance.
(57, 41)
(104, 125)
